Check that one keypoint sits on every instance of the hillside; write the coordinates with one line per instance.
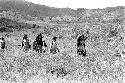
(104, 60)
(30, 11)
(35, 10)
(8, 25)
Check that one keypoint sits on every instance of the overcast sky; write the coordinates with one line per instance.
(74, 4)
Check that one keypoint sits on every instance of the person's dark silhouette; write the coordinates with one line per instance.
(81, 45)
(2, 43)
(39, 43)
(39, 39)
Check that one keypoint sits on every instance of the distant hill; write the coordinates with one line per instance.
(35, 10)
(12, 0)
(20, 10)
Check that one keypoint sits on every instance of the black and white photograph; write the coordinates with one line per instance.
(62, 41)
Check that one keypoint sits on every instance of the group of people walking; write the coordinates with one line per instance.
(40, 46)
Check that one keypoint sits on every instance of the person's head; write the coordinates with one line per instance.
(40, 35)
(54, 38)
(25, 36)
(2, 38)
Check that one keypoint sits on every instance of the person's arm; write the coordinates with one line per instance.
(22, 44)
(52, 43)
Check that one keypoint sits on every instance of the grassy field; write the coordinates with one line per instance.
(100, 64)
(105, 49)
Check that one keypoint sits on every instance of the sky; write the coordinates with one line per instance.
(74, 4)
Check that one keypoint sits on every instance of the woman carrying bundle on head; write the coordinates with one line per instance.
(81, 45)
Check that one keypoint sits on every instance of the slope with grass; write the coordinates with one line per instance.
(104, 61)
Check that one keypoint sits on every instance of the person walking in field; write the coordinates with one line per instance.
(2, 43)
(54, 48)
(39, 45)
(25, 43)
(81, 45)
